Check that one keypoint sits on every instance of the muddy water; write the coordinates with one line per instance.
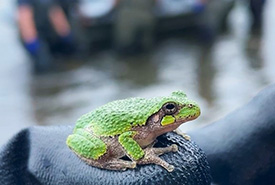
(220, 78)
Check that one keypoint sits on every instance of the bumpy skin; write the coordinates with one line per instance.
(129, 127)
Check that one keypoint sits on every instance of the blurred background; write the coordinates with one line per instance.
(61, 59)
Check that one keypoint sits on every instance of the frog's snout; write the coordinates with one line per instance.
(190, 111)
(195, 109)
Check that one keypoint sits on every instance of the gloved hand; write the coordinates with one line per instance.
(40, 55)
(33, 46)
(240, 148)
(39, 155)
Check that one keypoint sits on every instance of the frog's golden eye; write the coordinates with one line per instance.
(170, 108)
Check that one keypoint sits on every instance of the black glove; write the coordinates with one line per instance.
(240, 148)
(39, 155)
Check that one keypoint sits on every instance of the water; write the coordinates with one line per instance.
(15, 108)
(220, 78)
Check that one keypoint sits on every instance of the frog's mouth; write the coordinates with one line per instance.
(188, 113)
(159, 123)
(167, 126)
(178, 119)
(187, 118)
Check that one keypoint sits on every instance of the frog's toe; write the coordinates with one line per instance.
(121, 169)
(170, 168)
(186, 137)
(174, 148)
(133, 165)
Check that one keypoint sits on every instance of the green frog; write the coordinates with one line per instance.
(129, 127)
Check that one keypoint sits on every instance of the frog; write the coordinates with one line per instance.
(121, 134)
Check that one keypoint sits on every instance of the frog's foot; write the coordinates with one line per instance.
(185, 136)
(152, 156)
(119, 164)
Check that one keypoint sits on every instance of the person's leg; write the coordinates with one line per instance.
(29, 34)
(27, 28)
(64, 43)
(59, 21)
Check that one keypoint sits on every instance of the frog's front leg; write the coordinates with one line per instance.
(132, 148)
(184, 135)
(148, 156)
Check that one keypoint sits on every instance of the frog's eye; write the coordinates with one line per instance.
(170, 108)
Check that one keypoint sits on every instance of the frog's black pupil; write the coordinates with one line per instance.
(170, 106)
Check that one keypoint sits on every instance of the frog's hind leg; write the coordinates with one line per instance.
(119, 164)
(110, 164)
(94, 151)
(160, 151)
(152, 156)
(86, 145)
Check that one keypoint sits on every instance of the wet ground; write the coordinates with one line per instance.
(220, 78)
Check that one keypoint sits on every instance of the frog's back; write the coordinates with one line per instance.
(118, 116)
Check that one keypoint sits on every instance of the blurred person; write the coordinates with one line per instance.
(134, 26)
(45, 30)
